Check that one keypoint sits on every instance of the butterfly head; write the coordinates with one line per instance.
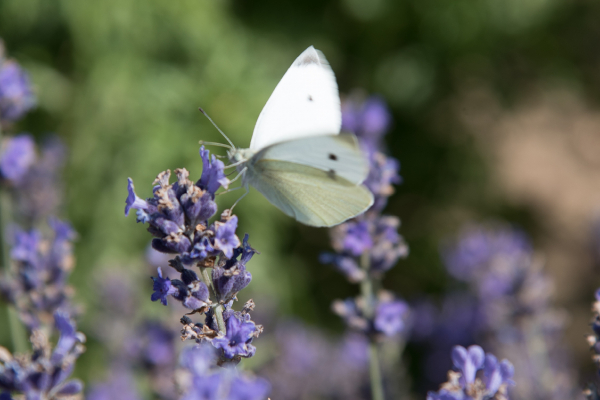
(239, 156)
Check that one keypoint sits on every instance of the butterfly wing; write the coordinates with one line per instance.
(306, 102)
(310, 195)
(334, 154)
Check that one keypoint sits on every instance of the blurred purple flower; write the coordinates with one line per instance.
(512, 295)
(335, 368)
(44, 373)
(16, 93)
(391, 317)
(477, 247)
(358, 238)
(120, 386)
(18, 155)
(209, 383)
(38, 193)
(243, 388)
(369, 120)
(160, 345)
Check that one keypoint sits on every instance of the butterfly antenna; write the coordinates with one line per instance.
(214, 144)
(215, 125)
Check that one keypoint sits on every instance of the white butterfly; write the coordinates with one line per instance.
(297, 157)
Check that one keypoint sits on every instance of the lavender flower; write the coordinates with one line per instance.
(208, 383)
(370, 120)
(45, 372)
(458, 321)
(162, 288)
(238, 338)
(33, 181)
(370, 244)
(18, 155)
(119, 386)
(512, 294)
(390, 318)
(37, 286)
(35, 279)
(477, 376)
(16, 94)
(178, 215)
(311, 365)
(147, 347)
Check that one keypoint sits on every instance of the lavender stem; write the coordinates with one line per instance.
(17, 334)
(219, 308)
(366, 288)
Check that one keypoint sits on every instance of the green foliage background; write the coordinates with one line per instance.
(121, 81)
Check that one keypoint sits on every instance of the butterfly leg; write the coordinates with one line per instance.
(241, 173)
(241, 197)
(230, 190)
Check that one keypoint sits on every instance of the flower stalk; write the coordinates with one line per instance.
(366, 288)
(369, 245)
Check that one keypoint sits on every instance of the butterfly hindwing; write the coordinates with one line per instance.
(310, 195)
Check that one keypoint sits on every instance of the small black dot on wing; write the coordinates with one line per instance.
(332, 157)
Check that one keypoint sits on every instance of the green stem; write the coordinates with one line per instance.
(220, 320)
(17, 333)
(366, 288)
(218, 308)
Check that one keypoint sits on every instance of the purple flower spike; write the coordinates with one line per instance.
(17, 157)
(390, 317)
(199, 359)
(133, 201)
(358, 238)
(16, 94)
(376, 116)
(162, 288)
(225, 237)
(25, 246)
(468, 361)
(238, 338)
(249, 389)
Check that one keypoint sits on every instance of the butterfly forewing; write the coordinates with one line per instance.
(305, 103)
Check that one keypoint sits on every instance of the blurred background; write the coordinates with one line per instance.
(496, 117)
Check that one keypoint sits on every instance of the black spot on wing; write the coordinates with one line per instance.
(332, 157)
